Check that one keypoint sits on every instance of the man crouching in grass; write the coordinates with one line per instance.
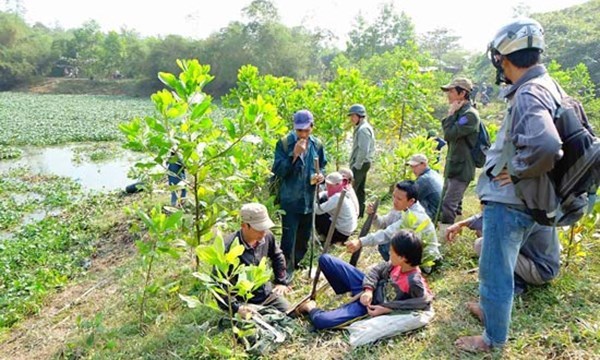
(391, 285)
(258, 243)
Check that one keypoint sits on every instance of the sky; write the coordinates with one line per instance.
(475, 21)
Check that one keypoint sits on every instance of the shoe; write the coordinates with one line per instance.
(520, 286)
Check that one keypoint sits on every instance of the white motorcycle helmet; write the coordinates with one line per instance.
(520, 34)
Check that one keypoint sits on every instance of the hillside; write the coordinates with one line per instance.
(68, 86)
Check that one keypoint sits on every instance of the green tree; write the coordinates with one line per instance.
(113, 53)
(24, 51)
(387, 31)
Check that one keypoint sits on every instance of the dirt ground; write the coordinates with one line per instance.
(43, 335)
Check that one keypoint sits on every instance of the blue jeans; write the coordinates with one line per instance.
(342, 277)
(174, 180)
(504, 232)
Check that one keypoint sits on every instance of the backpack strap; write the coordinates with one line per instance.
(284, 143)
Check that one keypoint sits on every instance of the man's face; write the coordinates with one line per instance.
(333, 189)
(304, 133)
(251, 235)
(355, 119)
(454, 96)
(418, 169)
(401, 201)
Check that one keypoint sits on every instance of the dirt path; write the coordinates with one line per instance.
(44, 335)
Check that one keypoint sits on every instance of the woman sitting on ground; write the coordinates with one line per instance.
(391, 285)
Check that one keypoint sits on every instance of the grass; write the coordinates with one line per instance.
(43, 264)
(559, 320)
(53, 228)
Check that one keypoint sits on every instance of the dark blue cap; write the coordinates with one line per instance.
(303, 119)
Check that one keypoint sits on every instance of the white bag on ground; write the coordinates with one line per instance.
(372, 329)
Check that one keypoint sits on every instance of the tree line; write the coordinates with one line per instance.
(261, 39)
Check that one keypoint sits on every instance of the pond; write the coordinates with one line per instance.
(105, 175)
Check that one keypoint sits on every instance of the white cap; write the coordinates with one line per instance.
(257, 216)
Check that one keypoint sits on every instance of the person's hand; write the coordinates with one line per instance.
(300, 147)
(281, 289)
(353, 245)
(454, 106)
(318, 178)
(376, 310)
(366, 298)
(452, 231)
(246, 311)
(503, 177)
(370, 209)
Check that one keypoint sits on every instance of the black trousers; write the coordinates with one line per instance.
(360, 180)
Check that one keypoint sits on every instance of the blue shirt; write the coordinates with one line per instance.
(296, 192)
(430, 185)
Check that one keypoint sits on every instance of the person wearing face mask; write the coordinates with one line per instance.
(347, 220)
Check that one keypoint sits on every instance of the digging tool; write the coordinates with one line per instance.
(313, 293)
(364, 231)
(293, 308)
(314, 234)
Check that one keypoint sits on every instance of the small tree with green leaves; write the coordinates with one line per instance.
(392, 164)
(205, 146)
(349, 87)
(225, 277)
(164, 239)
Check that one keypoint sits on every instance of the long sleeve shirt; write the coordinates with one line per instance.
(347, 220)
(397, 290)
(394, 221)
(460, 131)
(430, 185)
(252, 255)
(363, 145)
(528, 127)
(296, 192)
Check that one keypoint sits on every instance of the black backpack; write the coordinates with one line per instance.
(483, 143)
(577, 173)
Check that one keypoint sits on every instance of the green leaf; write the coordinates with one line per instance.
(229, 126)
(168, 79)
(173, 221)
(191, 301)
(234, 252)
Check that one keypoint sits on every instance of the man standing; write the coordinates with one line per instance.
(258, 243)
(429, 183)
(525, 149)
(460, 131)
(363, 149)
(294, 165)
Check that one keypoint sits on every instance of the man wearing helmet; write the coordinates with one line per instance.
(526, 147)
(363, 149)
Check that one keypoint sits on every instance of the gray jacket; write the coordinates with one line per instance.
(363, 145)
(528, 144)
